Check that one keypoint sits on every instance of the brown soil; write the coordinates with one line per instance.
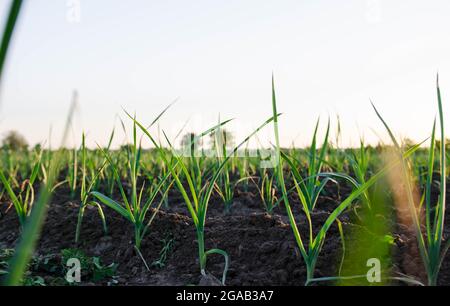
(261, 247)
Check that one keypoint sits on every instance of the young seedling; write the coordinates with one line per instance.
(86, 188)
(8, 31)
(359, 162)
(243, 167)
(309, 188)
(197, 200)
(134, 208)
(167, 248)
(224, 186)
(267, 190)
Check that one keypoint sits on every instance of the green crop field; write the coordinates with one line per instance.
(320, 215)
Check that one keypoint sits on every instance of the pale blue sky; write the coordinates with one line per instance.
(329, 57)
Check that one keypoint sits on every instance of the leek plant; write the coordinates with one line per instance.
(197, 199)
(134, 208)
(86, 188)
(224, 186)
(336, 156)
(95, 161)
(165, 195)
(309, 188)
(162, 173)
(267, 191)
(359, 162)
(243, 168)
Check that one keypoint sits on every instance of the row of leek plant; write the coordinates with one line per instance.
(308, 188)
(429, 232)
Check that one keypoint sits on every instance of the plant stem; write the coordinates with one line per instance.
(79, 221)
(201, 249)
